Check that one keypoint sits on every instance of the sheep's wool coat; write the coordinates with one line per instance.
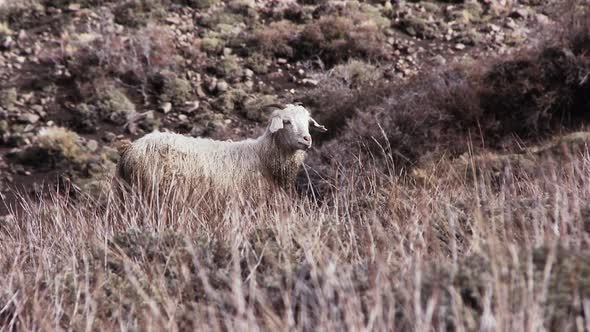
(172, 160)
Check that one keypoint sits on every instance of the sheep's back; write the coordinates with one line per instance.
(164, 160)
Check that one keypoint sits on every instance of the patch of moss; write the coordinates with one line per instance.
(63, 142)
(229, 67)
(257, 62)
(53, 146)
(136, 13)
(275, 39)
(254, 107)
(230, 101)
(171, 88)
(113, 105)
(220, 18)
(8, 98)
(418, 27)
(335, 38)
(85, 118)
(356, 74)
(212, 44)
(198, 4)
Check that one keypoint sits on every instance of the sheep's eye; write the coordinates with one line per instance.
(286, 122)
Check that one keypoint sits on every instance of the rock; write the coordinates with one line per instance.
(249, 85)
(145, 121)
(542, 19)
(192, 106)
(92, 145)
(520, 13)
(493, 27)
(439, 60)
(173, 20)
(109, 137)
(28, 118)
(166, 107)
(309, 81)
(222, 86)
(38, 109)
(248, 73)
(459, 46)
(281, 61)
(6, 42)
(8, 98)
(198, 130)
(212, 84)
(73, 7)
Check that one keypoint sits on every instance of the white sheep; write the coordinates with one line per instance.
(160, 160)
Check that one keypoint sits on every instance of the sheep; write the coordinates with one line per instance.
(163, 160)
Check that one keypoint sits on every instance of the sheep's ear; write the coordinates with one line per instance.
(317, 126)
(275, 124)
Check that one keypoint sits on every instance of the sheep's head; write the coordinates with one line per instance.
(291, 125)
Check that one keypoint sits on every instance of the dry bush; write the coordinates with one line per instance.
(337, 38)
(379, 254)
(131, 57)
(275, 39)
(342, 91)
(136, 13)
(533, 94)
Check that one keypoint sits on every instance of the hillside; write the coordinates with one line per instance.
(449, 192)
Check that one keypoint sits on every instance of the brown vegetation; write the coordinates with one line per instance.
(453, 200)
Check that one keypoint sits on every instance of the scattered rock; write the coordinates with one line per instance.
(92, 145)
(166, 107)
(8, 98)
(248, 73)
(222, 86)
(28, 118)
(309, 81)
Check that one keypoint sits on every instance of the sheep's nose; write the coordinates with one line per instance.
(307, 138)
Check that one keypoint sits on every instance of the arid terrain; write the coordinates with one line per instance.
(450, 192)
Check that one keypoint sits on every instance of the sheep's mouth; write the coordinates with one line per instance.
(304, 146)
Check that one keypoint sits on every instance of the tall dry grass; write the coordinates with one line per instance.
(483, 251)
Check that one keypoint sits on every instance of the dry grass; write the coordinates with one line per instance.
(489, 253)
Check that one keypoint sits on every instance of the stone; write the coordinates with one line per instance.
(166, 107)
(309, 81)
(192, 106)
(73, 7)
(109, 137)
(222, 86)
(92, 145)
(28, 118)
(439, 60)
(459, 46)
